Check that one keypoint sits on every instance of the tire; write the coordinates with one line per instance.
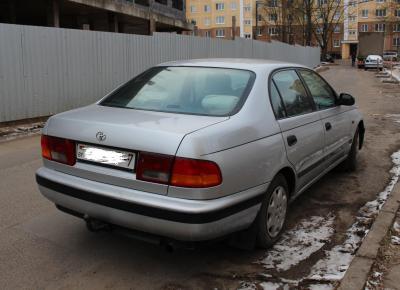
(272, 216)
(350, 163)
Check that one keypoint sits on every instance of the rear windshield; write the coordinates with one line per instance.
(187, 90)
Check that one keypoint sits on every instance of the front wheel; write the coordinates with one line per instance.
(272, 216)
(350, 163)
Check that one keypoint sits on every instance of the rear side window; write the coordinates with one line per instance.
(293, 93)
(276, 102)
(323, 95)
(187, 90)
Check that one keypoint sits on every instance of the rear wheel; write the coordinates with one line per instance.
(272, 215)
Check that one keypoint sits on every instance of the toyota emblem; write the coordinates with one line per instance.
(101, 136)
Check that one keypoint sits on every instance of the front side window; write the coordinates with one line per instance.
(187, 90)
(293, 93)
(323, 95)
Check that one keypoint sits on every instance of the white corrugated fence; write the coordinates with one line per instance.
(46, 70)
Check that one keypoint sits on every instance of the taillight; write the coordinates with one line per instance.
(58, 149)
(154, 167)
(181, 172)
(195, 173)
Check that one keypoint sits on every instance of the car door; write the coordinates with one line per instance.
(336, 123)
(300, 124)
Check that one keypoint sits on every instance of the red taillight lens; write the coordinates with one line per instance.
(182, 172)
(195, 173)
(58, 149)
(154, 167)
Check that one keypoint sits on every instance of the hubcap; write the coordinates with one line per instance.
(276, 211)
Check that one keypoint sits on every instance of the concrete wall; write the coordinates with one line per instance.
(370, 43)
(46, 70)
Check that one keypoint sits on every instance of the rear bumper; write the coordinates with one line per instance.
(373, 65)
(180, 219)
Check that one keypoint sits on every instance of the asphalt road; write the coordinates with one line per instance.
(42, 248)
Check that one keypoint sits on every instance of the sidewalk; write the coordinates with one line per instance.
(376, 265)
(385, 272)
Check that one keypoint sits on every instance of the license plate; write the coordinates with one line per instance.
(106, 156)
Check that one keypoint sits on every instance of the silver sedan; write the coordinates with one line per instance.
(200, 149)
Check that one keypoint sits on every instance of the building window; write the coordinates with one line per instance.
(194, 22)
(207, 34)
(273, 3)
(364, 28)
(352, 18)
(396, 41)
(322, 2)
(247, 8)
(233, 6)
(220, 20)
(219, 6)
(396, 27)
(352, 4)
(207, 8)
(193, 9)
(273, 17)
(247, 35)
(336, 29)
(380, 27)
(220, 33)
(247, 22)
(380, 1)
(397, 13)
(336, 43)
(336, 16)
(259, 31)
(364, 13)
(259, 17)
(272, 31)
(380, 12)
(207, 21)
(352, 32)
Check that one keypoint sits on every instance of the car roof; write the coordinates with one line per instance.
(373, 56)
(235, 63)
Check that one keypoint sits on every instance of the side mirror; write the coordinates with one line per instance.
(345, 100)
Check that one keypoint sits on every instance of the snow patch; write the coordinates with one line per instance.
(273, 286)
(298, 244)
(247, 286)
(395, 117)
(337, 260)
(395, 240)
(321, 287)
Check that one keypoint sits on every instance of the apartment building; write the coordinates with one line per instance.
(361, 27)
(126, 16)
(262, 20)
(378, 26)
(223, 19)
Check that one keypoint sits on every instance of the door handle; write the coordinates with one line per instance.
(328, 126)
(291, 140)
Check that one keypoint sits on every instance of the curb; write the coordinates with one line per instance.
(357, 274)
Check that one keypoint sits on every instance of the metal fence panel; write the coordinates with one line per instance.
(46, 70)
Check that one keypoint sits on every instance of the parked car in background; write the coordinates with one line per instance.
(360, 61)
(390, 55)
(373, 61)
(200, 149)
(327, 58)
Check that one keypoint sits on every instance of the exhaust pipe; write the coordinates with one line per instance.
(96, 226)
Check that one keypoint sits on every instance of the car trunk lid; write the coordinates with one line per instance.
(127, 130)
